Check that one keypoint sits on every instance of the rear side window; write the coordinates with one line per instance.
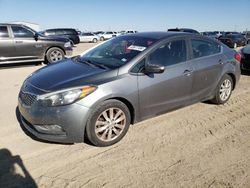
(170, 53)
(4, 32)
(70, 32)
(203, 48)
(60, 32)
(20, 32)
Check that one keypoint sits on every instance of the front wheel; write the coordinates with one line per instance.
(108, 123)
(54, 54)
(94, 40)
(223, 90)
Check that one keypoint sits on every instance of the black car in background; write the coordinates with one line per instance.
(245, 58)
(186, 30)
(247, 36)
(19, 43)
(71, 34)
(210, 34)
(233, 40)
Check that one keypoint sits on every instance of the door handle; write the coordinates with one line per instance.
(19, 42)
(187, 72)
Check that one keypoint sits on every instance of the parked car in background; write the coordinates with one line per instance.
(98, 32)
(125, 80)
(245, 55)
(232, 33)
(71, 34)
(184, 30)
(210, 34)
(19, 43)
(233, 40)
(128, 32)
(247, 36)
(107, 35)
(89, 37)
(219, 33)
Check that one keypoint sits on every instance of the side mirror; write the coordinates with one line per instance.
(36, 36)
(153, 68)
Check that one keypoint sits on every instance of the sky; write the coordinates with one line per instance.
(140, 15)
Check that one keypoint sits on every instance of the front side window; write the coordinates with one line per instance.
(20, 32)
(169, 54)
(118, 51)
(203, 48)
(4, 32)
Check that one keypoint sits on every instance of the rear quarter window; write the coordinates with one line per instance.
(202, 48)
(4, 32)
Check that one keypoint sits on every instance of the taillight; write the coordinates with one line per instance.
(237, 56)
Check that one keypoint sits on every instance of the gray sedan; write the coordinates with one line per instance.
(130, 78)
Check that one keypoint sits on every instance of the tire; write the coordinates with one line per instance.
(54, 54)
(225, 87)
(248, 42)
(94, 40)
(101, 128)
(102, 38)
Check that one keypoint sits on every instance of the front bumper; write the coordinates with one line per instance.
(69, 121)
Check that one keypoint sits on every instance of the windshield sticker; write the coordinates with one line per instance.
(137, 48)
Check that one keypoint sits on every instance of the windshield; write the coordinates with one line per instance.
(118, 51)
(237, 36)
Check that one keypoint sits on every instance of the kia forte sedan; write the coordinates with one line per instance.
(130, 78)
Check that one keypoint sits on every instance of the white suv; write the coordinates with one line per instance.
(107, 35)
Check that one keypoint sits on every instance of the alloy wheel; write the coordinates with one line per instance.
(56, 55)
(225, 89)
(110, 124)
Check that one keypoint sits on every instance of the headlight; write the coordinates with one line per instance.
(67, 45)
(66, 96)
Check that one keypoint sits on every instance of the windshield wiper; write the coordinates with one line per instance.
(90, 63)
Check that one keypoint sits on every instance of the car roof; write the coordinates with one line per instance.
(161, 35)
(10, 24)
(67, 29)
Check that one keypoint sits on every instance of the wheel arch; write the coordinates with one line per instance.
(233, 78)
(129, 105)
(54, 47)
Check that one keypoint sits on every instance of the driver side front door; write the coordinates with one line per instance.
(159, 93)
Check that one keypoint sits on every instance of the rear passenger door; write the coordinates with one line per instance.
(207, 62)
(27, 48)
(7, 49)
(162, 92)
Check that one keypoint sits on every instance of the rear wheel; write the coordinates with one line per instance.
(102, 38)
(108, 123)
(54, 54)
(223, 90)
(94, 40)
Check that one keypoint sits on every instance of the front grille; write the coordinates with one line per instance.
(27, 98)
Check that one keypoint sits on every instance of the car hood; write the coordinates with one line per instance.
(68, 73)
(54, 38)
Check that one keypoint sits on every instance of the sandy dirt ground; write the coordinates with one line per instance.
(202, 145)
